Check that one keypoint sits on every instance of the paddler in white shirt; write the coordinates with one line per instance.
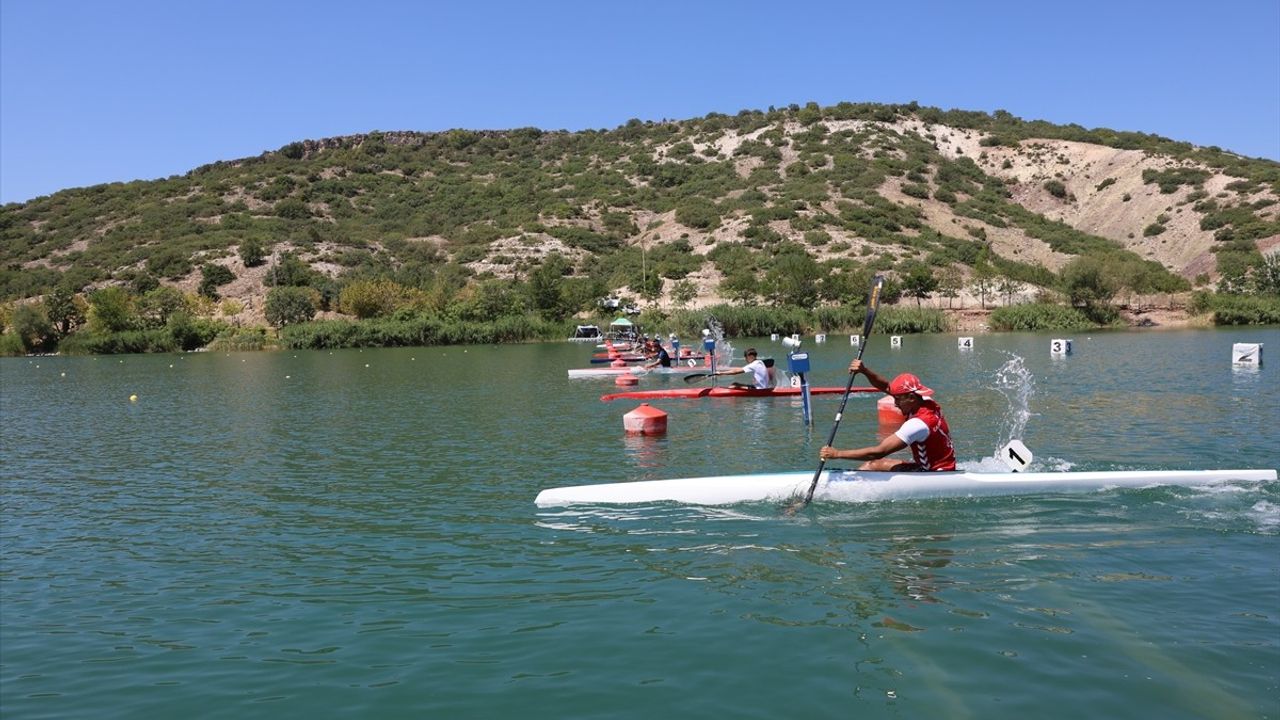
(761, 373)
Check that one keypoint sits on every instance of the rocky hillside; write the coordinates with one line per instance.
(708, 205)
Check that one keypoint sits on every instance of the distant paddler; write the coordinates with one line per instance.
(925, 430)
(656, 355)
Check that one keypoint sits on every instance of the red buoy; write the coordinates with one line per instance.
(626, 380)
(645, 420)
(889, 413)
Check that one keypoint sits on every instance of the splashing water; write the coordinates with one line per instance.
(724, 348)
(1017, 384)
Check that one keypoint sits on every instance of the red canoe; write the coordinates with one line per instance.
(726, 392)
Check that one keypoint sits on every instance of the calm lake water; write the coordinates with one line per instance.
(353, 534)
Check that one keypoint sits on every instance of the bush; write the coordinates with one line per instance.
(291, 305)
(1245, 310)
(252, 253)
(698, 213)
(1056, 189)
(292, 209)
(371, 298)
(213, 276)
(1039, 316)
(916, 190)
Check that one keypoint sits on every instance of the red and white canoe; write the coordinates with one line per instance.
(727, 392)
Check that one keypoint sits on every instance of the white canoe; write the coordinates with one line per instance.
(853, 486)
(613, 371)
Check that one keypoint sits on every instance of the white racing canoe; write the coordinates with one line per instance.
(854, 486)
(614, 371)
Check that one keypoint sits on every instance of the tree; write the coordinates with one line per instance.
(156, 306)
(213, 276)
(65, 310)
(1266, 276)
(252, 253)
(111, 310)
(1008, 287)
(290, 305)
(740, 287)
(950, 282)
(371, 298)
(919, 282)
(1086, 283)
(791, 280)
(984, 281)
(683, 293)
(289, 270)
(32, 326)
(544, 287)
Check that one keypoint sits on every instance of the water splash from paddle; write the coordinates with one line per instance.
(724, 348)
(1017, 384)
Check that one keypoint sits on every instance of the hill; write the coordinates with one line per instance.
(787, 206)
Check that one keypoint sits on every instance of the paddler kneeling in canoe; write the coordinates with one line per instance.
(760, 371)
(925, 430)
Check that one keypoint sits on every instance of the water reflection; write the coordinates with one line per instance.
(912, 564)
(645, 451)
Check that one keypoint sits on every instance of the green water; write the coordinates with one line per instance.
(352, 534)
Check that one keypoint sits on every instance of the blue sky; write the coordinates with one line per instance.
(100, 91)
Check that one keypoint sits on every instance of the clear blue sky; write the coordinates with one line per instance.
(96, 91)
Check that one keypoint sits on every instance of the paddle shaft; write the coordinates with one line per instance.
(848, 388)
(873, 303)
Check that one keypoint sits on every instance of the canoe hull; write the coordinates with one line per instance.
(853, 486)
(611, 371)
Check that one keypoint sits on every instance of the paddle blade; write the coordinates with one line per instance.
(873, 304)
(695, 376)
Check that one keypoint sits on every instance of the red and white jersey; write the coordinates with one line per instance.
(929, 438)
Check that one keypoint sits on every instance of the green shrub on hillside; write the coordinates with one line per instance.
(1170, 180)
(289, 305)
(1039, 316)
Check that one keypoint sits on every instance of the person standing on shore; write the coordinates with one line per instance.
(925, 430)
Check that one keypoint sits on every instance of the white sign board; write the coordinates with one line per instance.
(1246, 354)
(1060, 346)
(965, 343)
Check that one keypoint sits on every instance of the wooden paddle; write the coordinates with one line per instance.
(873, 304)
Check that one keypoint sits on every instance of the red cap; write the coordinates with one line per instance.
(908, 383)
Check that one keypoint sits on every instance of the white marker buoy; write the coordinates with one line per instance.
(895, 341)
(965, 343)
(1060, 346)
(1246, 354)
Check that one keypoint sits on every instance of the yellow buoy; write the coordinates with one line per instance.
(133, 398)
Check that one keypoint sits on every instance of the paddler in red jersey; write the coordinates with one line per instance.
(925, 430)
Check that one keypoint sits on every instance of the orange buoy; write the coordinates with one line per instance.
(645, 420)
(889, 413)
(626, 380)
(619, 362)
